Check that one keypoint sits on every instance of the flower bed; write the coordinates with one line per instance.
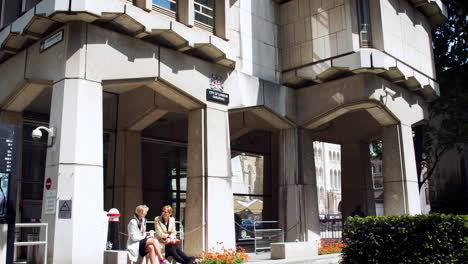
(222, 255)
(330, 246)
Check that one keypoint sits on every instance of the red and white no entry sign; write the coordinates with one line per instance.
(48, 184)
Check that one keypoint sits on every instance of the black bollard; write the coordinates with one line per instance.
(113, 242)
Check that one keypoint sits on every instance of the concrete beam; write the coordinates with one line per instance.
(26, 92)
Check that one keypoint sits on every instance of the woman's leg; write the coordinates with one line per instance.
(174, 253)
(182, 254)
(157, 251)
(151, 252)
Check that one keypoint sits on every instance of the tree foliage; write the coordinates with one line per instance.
(449, 112)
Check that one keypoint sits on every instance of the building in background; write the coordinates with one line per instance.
(328, 171)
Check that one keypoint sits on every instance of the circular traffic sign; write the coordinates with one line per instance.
(48, 183)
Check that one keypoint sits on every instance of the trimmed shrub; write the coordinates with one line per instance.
(433, 238)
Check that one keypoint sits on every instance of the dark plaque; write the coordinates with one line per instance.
(9, 136)
(217, 97)
(65, 209)
(9, 142)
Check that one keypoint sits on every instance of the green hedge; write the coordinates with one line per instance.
(406, 239)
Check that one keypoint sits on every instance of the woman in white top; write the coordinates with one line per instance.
(138, 242)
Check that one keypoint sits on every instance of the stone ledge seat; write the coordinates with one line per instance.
(290, 250)
(121, 257)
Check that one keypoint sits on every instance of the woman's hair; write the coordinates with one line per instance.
(169, 208)
(141, 209)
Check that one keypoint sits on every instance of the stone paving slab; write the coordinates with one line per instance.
(265, 259)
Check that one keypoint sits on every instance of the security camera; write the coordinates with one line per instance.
(36, 134)
(390, 92)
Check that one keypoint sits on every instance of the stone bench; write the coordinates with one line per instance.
(120, 257)
(289, 250)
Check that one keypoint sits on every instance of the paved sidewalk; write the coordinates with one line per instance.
(264, 258)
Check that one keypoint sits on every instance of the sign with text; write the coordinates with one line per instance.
(215, 93)
(9, 137)
(51, 41)
(50, 201)
(217, 97)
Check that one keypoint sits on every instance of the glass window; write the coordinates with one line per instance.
(30, 4)
(164, 177)
(166, 4)
(252, 199)
(204, 11)
(247, 173)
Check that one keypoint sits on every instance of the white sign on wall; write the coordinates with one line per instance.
(51, 41)
(50, 201)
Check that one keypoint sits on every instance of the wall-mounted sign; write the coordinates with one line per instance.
(9, 137)
(48, 184)
(51, 41)
(50, 201)
(65, 209)
(215, 93)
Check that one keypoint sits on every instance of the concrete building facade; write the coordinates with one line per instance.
(151, 100)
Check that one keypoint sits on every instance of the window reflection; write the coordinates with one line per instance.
(249, 196)
(247, 173)
(166, 4)
(204, 11)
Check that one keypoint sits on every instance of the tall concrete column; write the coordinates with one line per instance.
(75, 166)
(128, 189)
(401, 192)
(311, 223)
(210, 207)
(298, 190)
(356, 179)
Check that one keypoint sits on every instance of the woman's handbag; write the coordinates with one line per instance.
(172, 242)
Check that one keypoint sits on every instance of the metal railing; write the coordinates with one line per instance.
(34, 243)
(263, 237)
(331, 228)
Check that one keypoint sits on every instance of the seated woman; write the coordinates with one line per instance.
(164, 226)
(140, 244)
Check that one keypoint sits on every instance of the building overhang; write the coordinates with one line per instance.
(434, 10)
(364, 61)
(119, 16)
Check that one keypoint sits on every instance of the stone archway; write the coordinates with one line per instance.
(360, 109)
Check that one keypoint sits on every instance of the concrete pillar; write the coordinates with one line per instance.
(185, 11)
(356, 179)
(298, 206)
(221, 26)
(75, 166)
(128, 190)
(210, 207)
(401, 192)
(144, 4)
(311, 223)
